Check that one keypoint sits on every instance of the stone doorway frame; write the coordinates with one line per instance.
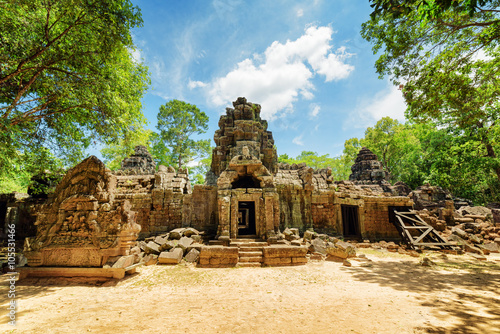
(238, 196)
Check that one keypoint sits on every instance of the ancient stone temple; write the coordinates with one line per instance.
(95, 213)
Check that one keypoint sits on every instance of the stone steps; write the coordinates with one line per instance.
(249, 264)
(246, 253)
(250, 251)
(248, 244)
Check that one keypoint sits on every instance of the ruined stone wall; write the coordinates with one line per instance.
(200, 209)
(20, 210)
(306, 200)
(376, 217)
(324, 212)
(82, 224)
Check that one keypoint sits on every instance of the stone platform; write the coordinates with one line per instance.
(118, 273)
(249, 252)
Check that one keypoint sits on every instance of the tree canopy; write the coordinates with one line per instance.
(445, 57)
(177, 122)
(67, 76)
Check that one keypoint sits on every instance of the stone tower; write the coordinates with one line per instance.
(243, 166)
(140, 163)
(367, 167)
(242, 133)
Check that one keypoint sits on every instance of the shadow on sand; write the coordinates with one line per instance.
(471, 302)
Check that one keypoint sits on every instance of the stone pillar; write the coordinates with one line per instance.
(224, 203)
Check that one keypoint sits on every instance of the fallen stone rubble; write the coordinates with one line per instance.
(168, 248)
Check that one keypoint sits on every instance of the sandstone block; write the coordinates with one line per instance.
(176, 234)
(492, 247)
(459, 232)
(342, 250)
(172, 257)
(124, 261)
(152, 248)
(192, 256)
(308, 235)
(318, 246)
(189, 232)
(160, 240)
(184, 243)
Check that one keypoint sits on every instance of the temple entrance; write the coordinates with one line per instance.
(350, 221)
(246, 181)
(246, 218)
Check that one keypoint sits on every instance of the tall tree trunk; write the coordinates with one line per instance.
(490, 153)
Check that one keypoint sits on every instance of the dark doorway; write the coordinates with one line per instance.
(246, 181)
(350, 221)
(246, 218)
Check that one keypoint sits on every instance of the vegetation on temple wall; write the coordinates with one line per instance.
(67, 80)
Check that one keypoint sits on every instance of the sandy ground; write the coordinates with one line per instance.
(389, 294)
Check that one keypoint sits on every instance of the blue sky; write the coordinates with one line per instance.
(303, 61)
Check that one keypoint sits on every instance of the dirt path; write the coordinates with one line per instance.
(391, 294)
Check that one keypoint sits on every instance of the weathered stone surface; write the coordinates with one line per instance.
(184, 243)
(367, 167)
(124, 261)
(192, 256)
(176, 234)
(172, 257)
(80, 224)
(341, 249)
(218, 256)
(189, 232)
(472, 249)
(459, 232)
(150, 259)
(141, 162)
(308, 235)
(491, 247)
(152, 248)
(318, 245)
(160, 240)
(169, 245)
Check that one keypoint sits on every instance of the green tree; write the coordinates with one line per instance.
(67, 76)
(381, 140)
(445, 56)
(177, 122)
(198, 172)
(115, 152)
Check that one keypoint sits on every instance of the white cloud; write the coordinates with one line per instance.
(298, 140)
(389, 102)
(314, 110)
(283, 74)
(136, 55)
(300, 12)
(194, 84)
